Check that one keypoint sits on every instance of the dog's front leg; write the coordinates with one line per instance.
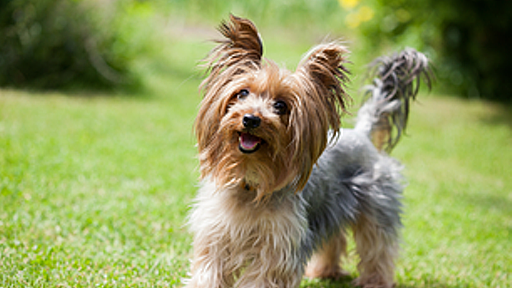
(209, 267)
(272, 267)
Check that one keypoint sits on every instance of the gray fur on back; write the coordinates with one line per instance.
(351, 177)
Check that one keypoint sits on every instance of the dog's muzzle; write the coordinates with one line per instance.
(249, 143)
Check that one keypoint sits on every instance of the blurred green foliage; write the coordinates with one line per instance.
(61, 43)
(469, 40)
(58, 43)
(279, 13)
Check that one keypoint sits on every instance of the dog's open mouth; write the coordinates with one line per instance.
(249, 143)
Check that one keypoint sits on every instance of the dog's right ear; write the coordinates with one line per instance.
(243, 40)
(241, 49)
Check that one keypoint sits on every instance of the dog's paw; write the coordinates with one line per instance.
(326, 272)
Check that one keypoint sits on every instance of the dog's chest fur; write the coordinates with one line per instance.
(239, 230)
(234, 211)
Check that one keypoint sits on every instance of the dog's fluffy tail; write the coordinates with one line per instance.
(383, 117)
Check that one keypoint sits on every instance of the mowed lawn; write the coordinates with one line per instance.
(95, 189)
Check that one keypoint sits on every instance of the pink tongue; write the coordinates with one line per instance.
(249, 141)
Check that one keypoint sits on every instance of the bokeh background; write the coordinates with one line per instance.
(98, 164)
(101, 44)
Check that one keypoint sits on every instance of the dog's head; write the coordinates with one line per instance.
(262, 126)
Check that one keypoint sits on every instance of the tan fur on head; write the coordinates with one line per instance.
(292, 140)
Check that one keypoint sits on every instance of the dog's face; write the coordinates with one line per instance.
(260, 126)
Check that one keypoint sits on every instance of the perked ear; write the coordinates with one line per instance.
(321, 78)
(241, 49)
(324, 66)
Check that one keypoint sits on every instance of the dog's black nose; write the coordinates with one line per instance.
(251, 121)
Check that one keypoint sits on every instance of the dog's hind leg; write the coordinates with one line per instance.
(325, 263)
(377, 248)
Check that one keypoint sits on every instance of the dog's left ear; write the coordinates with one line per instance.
(321, 78)
(324, 72)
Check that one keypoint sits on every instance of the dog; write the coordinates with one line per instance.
(281, 182)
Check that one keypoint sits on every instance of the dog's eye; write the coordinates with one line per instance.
(280, 107)
(242, 94)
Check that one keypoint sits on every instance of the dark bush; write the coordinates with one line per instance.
(59, 43)
(470, 40)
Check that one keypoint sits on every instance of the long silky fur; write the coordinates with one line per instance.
(316, 89)
(386, 110)
(314, 190)
(321, 75)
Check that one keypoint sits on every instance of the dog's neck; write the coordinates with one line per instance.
(248, 191)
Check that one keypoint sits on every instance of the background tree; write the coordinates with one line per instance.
(470, 40)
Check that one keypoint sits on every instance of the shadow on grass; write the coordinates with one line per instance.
(346, 282)
(502, 115)
(485, 202)
(438, 285)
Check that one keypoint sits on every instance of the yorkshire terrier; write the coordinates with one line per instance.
(281, 181)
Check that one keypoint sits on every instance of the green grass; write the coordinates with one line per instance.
(94, 189)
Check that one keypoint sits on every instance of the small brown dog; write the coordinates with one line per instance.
(281, 182)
